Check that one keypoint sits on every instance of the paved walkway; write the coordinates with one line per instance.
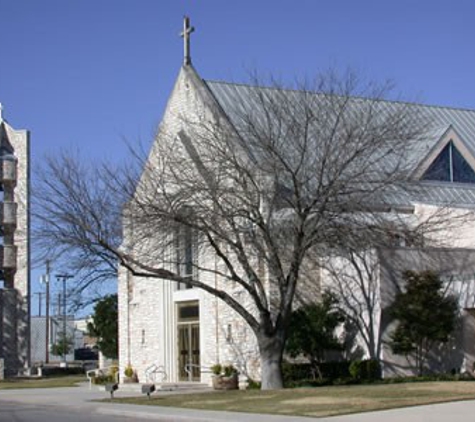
(81, 398)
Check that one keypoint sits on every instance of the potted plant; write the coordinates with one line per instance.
(130, 374)
(225, 377)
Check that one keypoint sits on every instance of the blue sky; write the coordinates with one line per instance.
(87, 74)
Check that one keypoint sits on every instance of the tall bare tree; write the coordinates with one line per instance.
(73, 206)
(262, 189)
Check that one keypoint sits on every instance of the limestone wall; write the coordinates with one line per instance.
(148, 307)
(15, 301)
(14, 339)
(457, 268)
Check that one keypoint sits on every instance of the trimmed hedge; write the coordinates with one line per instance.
(365, 370)
(349, 373)
(429, 378)
(332, 373)
(49, 371)
(300, 372)
(104, 379)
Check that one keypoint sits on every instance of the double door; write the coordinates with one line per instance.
(188, 343)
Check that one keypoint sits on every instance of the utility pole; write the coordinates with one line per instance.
(40, 296)
(64, 278)
(58, 306)
(45, 278)
(47, 309)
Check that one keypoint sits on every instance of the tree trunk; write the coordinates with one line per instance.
(419, 359)
(271, 350)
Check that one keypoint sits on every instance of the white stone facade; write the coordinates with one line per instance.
(148, 308)
(452, 254)
(15, 265)
(148, 330)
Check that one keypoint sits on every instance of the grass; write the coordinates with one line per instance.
(49, 382)
(318, 402)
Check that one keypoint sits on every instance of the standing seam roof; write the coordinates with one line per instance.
(237, 98)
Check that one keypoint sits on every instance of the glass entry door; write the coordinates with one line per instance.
(188, 342)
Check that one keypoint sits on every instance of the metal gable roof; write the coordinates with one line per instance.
(236, 99)
(233, 97)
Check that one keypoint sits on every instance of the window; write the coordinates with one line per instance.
(185, 253)
(450, 166)
(401, 239)
(188, 311)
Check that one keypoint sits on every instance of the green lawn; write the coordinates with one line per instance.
(60, 381)
(321, 401)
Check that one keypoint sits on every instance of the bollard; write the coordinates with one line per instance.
(148, 389)
(111, 388)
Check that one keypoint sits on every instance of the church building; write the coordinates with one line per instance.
(171, 332)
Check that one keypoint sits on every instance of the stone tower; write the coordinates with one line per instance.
(14, 249)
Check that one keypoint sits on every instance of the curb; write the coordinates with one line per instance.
(149, 415)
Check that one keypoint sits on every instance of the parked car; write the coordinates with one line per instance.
(85, 353)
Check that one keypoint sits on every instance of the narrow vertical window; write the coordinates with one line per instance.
(185, 259)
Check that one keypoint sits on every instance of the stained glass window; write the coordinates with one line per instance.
(450, 166)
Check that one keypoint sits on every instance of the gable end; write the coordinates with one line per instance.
(449, 161)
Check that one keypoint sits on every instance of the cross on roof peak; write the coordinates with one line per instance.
(185, 34)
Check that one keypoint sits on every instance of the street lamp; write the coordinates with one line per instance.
(64, 278)
(45, 280)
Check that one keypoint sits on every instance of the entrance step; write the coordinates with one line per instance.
(167, 386)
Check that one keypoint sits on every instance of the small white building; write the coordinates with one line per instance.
(56, 333)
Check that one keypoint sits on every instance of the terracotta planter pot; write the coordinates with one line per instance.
(220, 382)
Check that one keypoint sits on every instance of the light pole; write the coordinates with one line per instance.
(45, 280)
(40, 296)
(64, 278)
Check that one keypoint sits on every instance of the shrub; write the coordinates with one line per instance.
(296, 371)
(113, 372)
(373, 369)
(129, 371)
(104, 379)
(429, 378)
(335, 370)
(253, 385)
(217, 369)
(305, 371)
(229, 370)
(62, 347)
(308, 383)
(426, 316)
(355, 369)
(50, 371)
(345, 381)
(365, 370)
(312, 330)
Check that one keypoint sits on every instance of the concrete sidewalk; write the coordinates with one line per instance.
(80, 398)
